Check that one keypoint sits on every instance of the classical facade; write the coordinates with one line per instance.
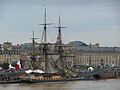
(96, 56)
(84, 55)
(9, 52)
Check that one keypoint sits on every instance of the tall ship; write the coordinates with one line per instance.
(55, 62)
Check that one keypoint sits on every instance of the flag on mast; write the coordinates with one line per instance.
(18, 65)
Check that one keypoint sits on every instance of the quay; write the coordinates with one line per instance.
(102, 73)
(13, 77)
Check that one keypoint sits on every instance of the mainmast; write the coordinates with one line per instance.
(44, 38)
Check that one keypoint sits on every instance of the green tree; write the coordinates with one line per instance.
(1, 64)
(5, 65)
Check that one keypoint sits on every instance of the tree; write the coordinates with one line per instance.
(5, 65)
(1, 64)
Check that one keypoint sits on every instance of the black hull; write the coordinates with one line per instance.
(59, 80)
(10, 81)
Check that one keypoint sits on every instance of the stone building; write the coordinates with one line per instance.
(9, 52)
(84, 55)
(96, 56)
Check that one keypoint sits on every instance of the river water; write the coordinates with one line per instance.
(110, 84)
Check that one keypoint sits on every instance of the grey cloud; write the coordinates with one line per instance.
(58, 2)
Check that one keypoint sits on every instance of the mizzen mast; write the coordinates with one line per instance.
(33, 52)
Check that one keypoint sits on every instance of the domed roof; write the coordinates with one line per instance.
(77, 43)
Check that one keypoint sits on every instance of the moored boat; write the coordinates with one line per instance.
(57, 63)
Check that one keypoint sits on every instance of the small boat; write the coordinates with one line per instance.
(9, 77)
(10, 81)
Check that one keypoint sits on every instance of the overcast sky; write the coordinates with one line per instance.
(90, 21)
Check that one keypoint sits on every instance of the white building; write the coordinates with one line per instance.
(96, 56)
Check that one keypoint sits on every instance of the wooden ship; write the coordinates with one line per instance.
(55, 63)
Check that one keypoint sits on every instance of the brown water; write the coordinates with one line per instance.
(111, 84)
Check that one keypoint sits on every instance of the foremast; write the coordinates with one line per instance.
(66, 64)
(59, 46)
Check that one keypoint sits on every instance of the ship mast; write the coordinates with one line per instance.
(90, 56)
(33, 52)
(44, 37)
(59, 42)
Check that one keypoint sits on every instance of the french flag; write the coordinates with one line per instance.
(18, 65)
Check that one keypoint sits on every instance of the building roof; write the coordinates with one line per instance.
(97, 49)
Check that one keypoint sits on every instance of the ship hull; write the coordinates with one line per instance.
(59, 80)
(10, 81)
